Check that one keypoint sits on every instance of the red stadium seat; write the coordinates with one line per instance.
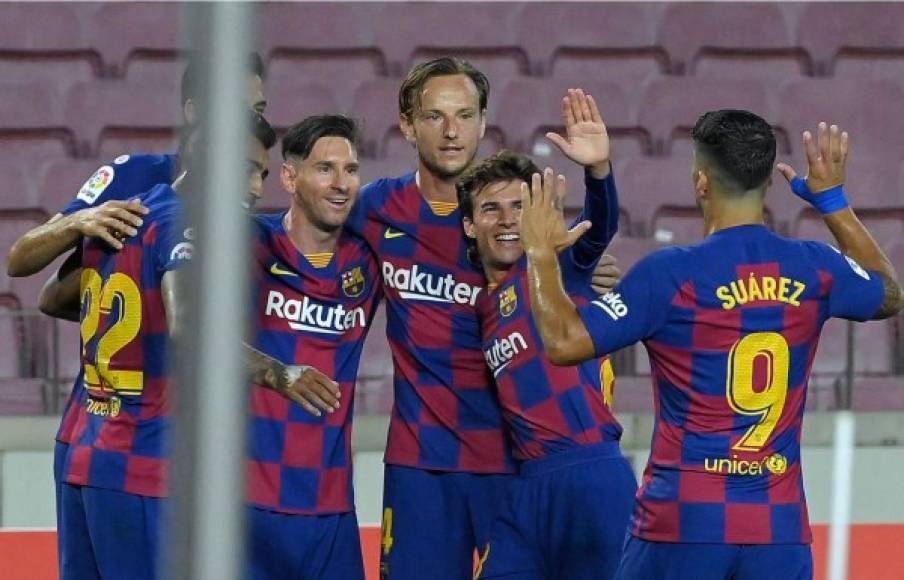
(885, 225)
(608, 41)
(742, 41)
(878, 394)
(672, 105)
(343, 76)
(94, 107)
(22, 396)
(157, 69)
(843, 36)
(69, 354)
(18, 187)
(646, 184)
(30, 106)
(410, 31)
(125, 30)
(376, 106)
(120, 141)
(30, 148)
(525, 106)
(630, 250)
(12, 225)
(293, 101)
(373, 394)
(633, 394)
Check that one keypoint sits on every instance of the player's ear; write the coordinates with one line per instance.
(468, 225)
(483, 123)
(407, 128)
(701, 183)
(287, 175)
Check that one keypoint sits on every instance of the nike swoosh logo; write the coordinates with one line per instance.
(277, 271)
(389, 234)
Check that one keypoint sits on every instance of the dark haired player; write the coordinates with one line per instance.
(567, 511)
(315, 295)
(448, 462)
(115, 473)
(731, 326)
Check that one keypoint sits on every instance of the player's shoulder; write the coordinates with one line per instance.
(667, 259)
(352, 246)
(126, 176)
(379, 190)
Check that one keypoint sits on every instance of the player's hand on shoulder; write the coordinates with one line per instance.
(111, 221)
(311, 389)
(606, 275)
(826, 158)
(586, 141)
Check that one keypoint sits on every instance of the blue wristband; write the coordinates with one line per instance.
(825, 202)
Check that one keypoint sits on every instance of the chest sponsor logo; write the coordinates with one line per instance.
(776, 464)
(96, 184)
(312, 316)
(503, 351)
(353, 282)
(415, 284)
(508, 301)
(612, 305)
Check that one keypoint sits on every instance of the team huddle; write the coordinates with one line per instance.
(503, 446)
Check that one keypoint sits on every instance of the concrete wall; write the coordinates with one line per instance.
(26, 479)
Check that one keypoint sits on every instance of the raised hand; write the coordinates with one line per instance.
(586, 140)
(826, 159)
(542, 217)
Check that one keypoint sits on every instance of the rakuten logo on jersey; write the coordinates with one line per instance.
(504, 351)
(305, 314)
(413, 284)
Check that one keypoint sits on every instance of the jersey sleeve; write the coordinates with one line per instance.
(854, 293)
(601, 208)
(633, 310)
(173, 244)
(122, 179)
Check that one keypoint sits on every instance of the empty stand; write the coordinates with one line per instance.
(299, 100)
(123, 31)
(741, 41)
(633, 394)
(878, 394)
(22, 396)
(647, 184)
(12, 225)
(844, 37)
(343, 76)
(610, 41)
(376, 106)
(373, 395)
(18, 187)
(59, 181)
(410, 31)
(674, 104)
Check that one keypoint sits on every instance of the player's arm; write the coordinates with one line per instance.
(60, 294)
(311, 389)
(823, 188)
(37, 248)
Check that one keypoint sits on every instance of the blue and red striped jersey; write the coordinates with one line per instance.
(120, 435)
(551, 408)
(125, 177)
(445, 413)
(305, 315)
(731, 327)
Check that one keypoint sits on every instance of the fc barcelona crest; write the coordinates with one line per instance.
(353, 282)
(508, 301)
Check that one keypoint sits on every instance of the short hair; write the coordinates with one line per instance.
(409, 92)
(258, 127)
(189, 84)
(503, 166)
(739, 145)
(300, 139)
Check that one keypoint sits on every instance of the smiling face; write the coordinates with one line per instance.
(325, 184)
(496, 226)
(447, 125)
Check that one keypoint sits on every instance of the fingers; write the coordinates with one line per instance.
(105, 235)
(561, 191)
(607, 260)
(576, 232)
(559, 142)
(810, 149)
(787, 171)
(595, 115)
(586, 115)
(318, 390)
(834, 144)
(822, 133)
(844, 146)
(568, 111)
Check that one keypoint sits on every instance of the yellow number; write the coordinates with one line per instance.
(607, 380)
(767, 403)
(386, 532)
(99, 298)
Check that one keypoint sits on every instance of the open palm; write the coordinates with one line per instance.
(586, 140)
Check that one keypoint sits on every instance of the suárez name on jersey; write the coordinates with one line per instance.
(503, 351)
(413, 284)
(306, 314)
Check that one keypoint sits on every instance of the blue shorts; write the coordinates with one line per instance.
(303, 547)
(434, 521)
(645, 560)
(107, 534)
(566, 517)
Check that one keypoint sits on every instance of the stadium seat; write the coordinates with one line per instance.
(12, 225)
(92, 108)
(334, 30)
(411, 31)
(60, 30)
(22, 396)
(32, 148)
(55, 72)
(831, 355)
(376, 107)
(162, 69)
(844, 37)
(120, 141)
(742, 41)
(69, 353)
(885, 225)
(342, 75)
(674, 104)
(629, 250)
(525, 106)
(126, 30)
(610, 41)
(633, 394)
(59, 181)
(30, 106)
(646, 184)
(11, 337)
(18, 187)
(878, 394)
(374, 388)
(294, 101)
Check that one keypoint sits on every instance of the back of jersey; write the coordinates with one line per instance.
(120, 436)
(731, 327)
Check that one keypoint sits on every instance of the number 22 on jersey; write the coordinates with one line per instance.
(770, 350)
(121, 295)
